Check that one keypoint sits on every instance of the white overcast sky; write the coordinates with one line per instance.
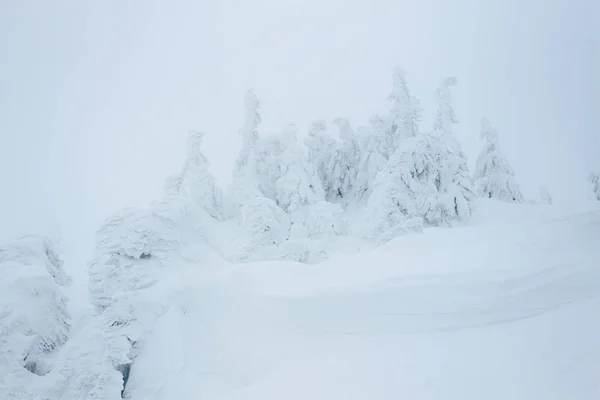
(96, 97)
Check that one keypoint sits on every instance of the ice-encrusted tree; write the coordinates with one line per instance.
(265, 163)
(195, 179)
(494, 177)
(249, 134)
(298, 184)
(445, 117)
(594, 179)
(34, 321)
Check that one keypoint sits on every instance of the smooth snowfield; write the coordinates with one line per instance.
(507, 309)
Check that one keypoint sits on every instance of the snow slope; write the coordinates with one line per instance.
(504, 309)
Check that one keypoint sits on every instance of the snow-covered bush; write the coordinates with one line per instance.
(494, 177)
(264, 226)
(322, 220)
(34, 322)
(594, 179)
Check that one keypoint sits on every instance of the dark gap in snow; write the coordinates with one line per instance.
(125, 370)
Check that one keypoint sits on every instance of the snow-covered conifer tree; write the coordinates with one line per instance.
(405, 112)
(350, 156)
(34, 322)
(446, 117)
(324, 154)
(249, 133)
(265, 161)
(494, 176)
(298, 184)
(195, 180)
(594, 179)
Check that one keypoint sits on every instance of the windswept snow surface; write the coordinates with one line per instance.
(508, 308)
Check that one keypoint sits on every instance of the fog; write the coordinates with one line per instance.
(96, 98)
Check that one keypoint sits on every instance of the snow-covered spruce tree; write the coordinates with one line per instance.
(265, 164)
(405, 112)
(298, 184)
(350, 155)
(371, 162)
(494, 177)
(445, 117)
(594, 179)
(198, 183)
(34, 322)
(324, 154)
(249, 134)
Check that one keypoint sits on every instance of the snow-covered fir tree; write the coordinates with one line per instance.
(34, 322)
(324, 153)
(350, 155)
(405, 112)
(249, 134)
(494, 177)
(371, 162)
(265, 161)
(298, 184)
(445, 117)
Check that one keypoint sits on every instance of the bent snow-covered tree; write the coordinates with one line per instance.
(34, 322)
(494, 176)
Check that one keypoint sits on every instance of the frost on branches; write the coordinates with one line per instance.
(594, 179)
(494, 176)
(34, 322)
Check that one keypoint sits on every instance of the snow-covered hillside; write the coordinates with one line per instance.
(497, 311)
